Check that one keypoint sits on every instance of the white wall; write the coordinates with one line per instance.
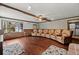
(60, 24)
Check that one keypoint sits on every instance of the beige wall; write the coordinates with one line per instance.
(60, 24)
(27, 25)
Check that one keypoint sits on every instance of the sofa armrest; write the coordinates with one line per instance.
(67, 40)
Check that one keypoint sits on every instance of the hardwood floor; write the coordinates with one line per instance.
(35, 45)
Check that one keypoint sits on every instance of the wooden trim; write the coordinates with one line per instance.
(20, 20)
(17, 19)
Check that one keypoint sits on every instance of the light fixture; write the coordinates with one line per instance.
(29, 7)
(40, 17)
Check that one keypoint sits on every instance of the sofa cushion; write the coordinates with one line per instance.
(34, 34)
(66, 33)
(40, 31)
(38, 34)
(35, 31)
(43, 35)
(45, 31)
(47, 36)
(60, 39)
(53, 37)
(58, 32)
(51, 31)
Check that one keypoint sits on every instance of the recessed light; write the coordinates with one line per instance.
(29, 7)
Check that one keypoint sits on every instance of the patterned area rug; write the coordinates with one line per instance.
(54, 50)
(14, 49)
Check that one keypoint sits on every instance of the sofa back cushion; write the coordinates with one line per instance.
(66, 33)
(35, 30)
(58, 32)
(40, 31)
(51, 31)
(13, 35)
(45, 31)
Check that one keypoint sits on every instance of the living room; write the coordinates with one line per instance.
(39, 29)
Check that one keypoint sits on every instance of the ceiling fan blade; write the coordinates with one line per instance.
(46, 19)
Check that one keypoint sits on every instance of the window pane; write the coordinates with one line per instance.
(10, 26)
(75, 28)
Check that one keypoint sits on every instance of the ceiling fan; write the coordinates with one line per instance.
(39, 17)
(42, 18)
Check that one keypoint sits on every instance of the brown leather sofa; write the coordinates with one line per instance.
(61, 35)
(14, 35)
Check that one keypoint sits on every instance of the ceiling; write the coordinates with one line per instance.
(50, 10)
